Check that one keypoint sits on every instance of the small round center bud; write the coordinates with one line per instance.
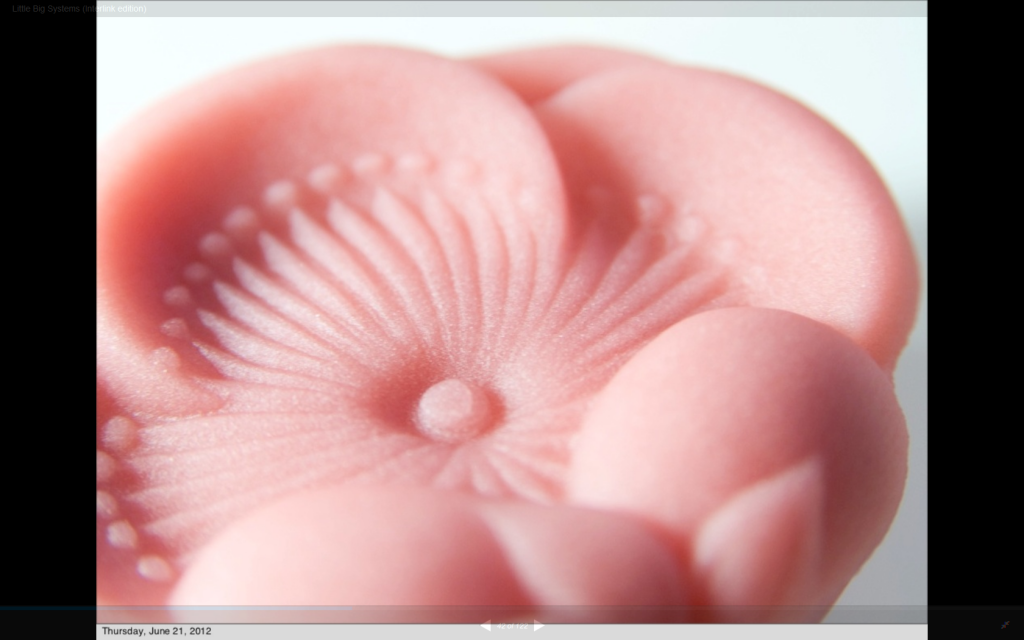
(453, 411)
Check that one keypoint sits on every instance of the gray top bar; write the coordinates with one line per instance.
(516, 8)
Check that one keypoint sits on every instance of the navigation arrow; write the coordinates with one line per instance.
(536, 625)
(487, 625)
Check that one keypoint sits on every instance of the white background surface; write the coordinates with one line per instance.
(866, 75)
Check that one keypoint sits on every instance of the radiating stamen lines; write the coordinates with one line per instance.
(337, 300)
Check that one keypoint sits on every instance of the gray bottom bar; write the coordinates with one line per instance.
(849, 614)
(526, 630)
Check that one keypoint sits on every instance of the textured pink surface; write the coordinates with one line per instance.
(562, 326)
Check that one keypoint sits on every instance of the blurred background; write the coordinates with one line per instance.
(867, 75)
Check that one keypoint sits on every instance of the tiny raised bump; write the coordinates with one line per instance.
(154, 568)
(215, 245)
(324, 178)
(652, 209)
(197, 272)
(242, 221)
(106, 505)
(281, 195)
(461, 170)
(165, 359)
(727, 250)
(690, 228)
(105, 466)
(453, 411)
(120, 434)
(122, 535)
(369, 164)
(413, 163)
(178, 296)
(175, 328)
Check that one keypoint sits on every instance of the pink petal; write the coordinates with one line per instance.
(202, 177)
(728, 398)
(783, 202)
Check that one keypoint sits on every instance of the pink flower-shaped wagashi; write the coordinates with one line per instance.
(557, 327)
